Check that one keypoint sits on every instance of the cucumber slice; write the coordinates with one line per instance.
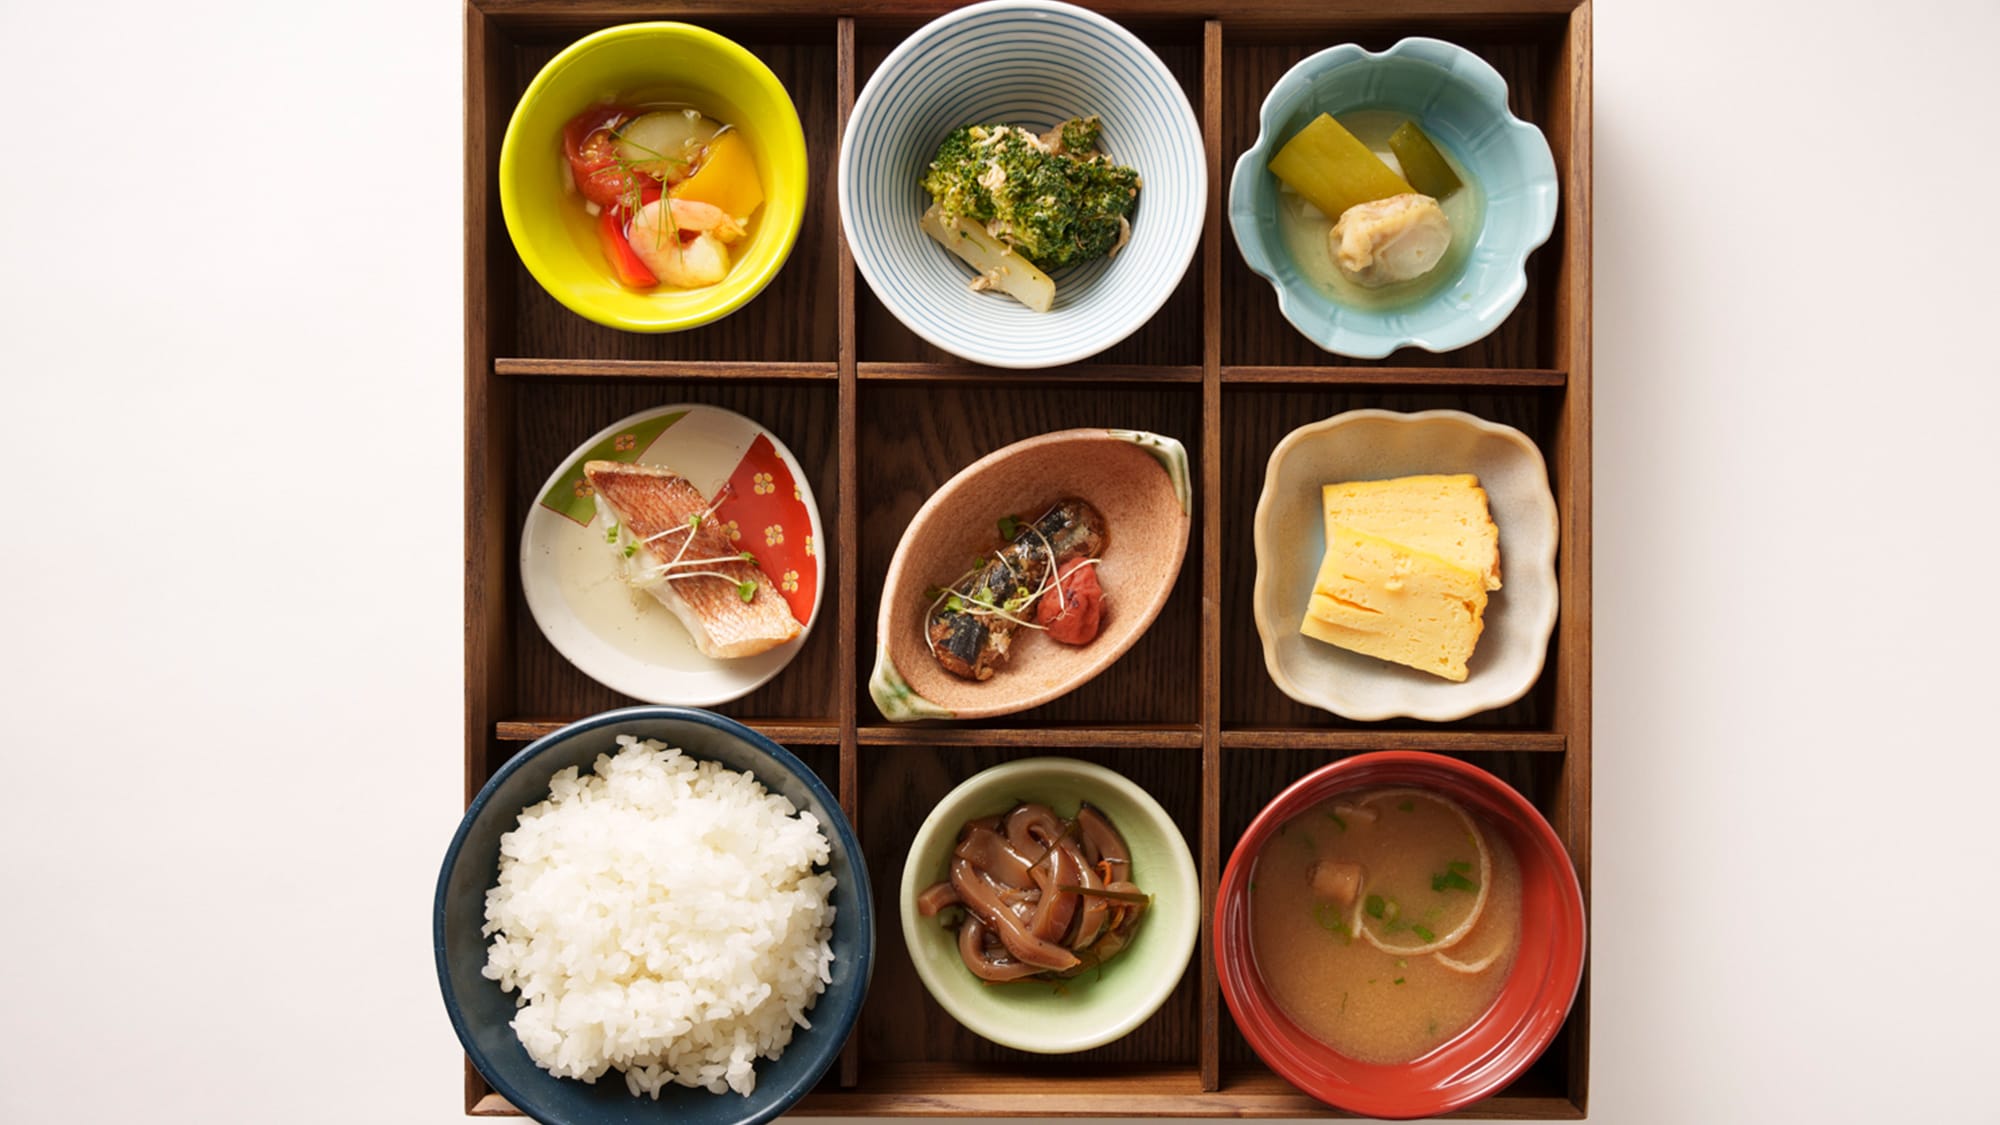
(1423, 165)
(1327, 165)
(666, 144)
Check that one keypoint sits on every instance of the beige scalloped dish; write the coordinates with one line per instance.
(1138, 483)
(1363, 445)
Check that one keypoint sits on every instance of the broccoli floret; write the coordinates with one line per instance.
(1079, 134)
(1053, 208)
(953, 177)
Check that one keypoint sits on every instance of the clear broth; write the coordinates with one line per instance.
(581, 224)
(1305, 230)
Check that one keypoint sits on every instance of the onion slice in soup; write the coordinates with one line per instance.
(1457, 933)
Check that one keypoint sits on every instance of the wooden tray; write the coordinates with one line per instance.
(1190, 711)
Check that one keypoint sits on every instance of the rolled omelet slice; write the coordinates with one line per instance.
(1396, 603)
(1442, 514)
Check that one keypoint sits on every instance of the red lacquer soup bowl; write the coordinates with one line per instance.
(1500, 1044)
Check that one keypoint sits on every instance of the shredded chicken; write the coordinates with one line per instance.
(1124, 236)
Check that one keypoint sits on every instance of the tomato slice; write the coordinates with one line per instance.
(626, 265)
(590, 121)
(590, 146)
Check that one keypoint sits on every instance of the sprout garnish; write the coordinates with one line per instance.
(955, 600)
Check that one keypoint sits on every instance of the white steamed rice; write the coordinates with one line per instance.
(661, 917)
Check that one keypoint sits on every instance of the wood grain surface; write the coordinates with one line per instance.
(879, 419)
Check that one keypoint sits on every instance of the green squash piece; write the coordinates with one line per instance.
(1423, 165)
(1327, 165)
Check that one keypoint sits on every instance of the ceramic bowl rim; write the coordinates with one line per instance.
(898, 561)
(1337, 336)
(788, 134)
(1552, 1000)
(1139, 314)
(836, 1025)
(1465, 702)
(537, 605)
(938, 822)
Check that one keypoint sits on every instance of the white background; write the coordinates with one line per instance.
(230, 583)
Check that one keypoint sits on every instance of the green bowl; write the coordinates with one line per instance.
(557, 241)
(1096, 1007)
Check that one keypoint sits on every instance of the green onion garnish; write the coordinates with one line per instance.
(1008, 527)
(1398, 980)
(1335, 818)
(1424, 933)
(1452, 881)
(1375, 906)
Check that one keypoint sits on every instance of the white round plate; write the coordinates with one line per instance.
(624, 638)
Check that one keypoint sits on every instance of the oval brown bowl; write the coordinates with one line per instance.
(1137, 481)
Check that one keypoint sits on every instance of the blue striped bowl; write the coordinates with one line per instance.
(1032, 63)
(1461, 102)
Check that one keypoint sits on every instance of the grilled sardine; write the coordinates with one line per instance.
(973, 641)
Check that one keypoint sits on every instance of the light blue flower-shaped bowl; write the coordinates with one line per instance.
(1461, 102)
(1033, 63)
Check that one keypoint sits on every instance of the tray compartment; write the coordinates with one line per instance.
(1251, 779)
(1257, 419)
(1172, 336)
(553, 418)
(1253, 330)
(794, 318)
(914, 437)
(901, 1023)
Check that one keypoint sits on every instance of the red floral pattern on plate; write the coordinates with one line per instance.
(764, 503)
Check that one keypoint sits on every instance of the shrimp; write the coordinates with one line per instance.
(657, 237)
(692, 214)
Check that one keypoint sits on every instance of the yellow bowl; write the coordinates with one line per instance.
(672, 62)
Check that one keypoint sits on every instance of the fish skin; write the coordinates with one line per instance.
(650, 500)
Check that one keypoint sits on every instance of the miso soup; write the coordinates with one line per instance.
(1385, 922)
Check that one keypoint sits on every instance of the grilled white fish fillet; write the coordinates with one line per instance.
(661, 550)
